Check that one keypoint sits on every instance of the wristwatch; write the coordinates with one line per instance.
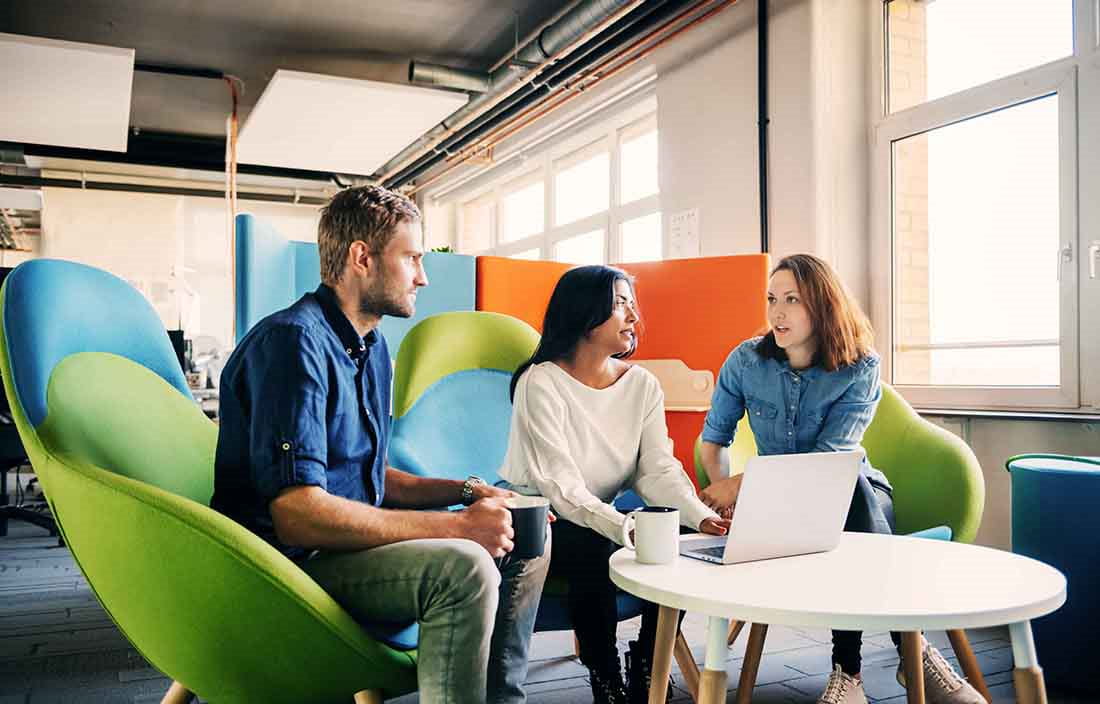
(468, 488)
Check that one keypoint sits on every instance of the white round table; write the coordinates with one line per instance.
(869, 582)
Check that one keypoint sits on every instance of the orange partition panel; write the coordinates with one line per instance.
(517, 287)
(698, 310)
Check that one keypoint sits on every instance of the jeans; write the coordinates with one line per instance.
(871, 511)
(580, 556)
(475, 618)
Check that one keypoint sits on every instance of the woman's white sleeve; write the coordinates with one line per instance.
(541, 413)
(660, 479)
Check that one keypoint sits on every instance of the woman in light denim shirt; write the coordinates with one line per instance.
(811, 384)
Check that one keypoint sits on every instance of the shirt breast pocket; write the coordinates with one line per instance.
(762, 419)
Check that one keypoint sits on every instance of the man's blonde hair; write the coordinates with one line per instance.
(367, 213)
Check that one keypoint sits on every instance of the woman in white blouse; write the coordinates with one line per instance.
(586, 426)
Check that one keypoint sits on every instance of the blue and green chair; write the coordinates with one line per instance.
(452, 412)
(126, 460)
(939, 491)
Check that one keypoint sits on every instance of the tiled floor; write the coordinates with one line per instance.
(58, 646)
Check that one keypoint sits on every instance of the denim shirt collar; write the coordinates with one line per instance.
(783, 366)
(354, 345)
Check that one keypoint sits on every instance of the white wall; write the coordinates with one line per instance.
(174, 249)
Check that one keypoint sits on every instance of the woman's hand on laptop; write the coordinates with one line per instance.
(722, 495)
(715, 526)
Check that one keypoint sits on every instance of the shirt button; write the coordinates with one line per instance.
(348, 350)
(286, 446)
(789, 433)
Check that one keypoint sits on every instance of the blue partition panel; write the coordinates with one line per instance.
(265, 272)
(307, 267)
(451, 287)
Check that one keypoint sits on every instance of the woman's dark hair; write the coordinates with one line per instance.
(581, 302)
(843, 332)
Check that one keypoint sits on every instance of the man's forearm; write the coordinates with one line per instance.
(404, 490)
(310, 517)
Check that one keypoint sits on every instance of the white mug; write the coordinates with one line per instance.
(656, 534)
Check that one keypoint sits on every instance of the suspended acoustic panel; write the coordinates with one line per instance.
(341, 125)
(64, 93)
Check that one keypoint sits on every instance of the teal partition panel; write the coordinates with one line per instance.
(451, 287)
(273, 272)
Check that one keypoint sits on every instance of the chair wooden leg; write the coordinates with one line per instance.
(688, 667)
(368, 696)
(735, 630)
(914, 670)
(1030, 688)
(668, 620)
(751, 664)
(961, 645)
(177, 694)
(576, 647)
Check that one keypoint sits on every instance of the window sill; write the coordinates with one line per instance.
(1083, 416)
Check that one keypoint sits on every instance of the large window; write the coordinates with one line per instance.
(592, 198)
(977, 172)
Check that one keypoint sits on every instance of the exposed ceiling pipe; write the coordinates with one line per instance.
(536, 107)
(554, 42)
(426, 74)
(48, 182)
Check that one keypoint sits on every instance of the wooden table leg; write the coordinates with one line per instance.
(712, 681)
(751, 664)
(688, 669)
(912, 656)
(668, 620)
(961, 645)
(1028, 676)
(368, 696)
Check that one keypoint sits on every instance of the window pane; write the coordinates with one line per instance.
(477, 225)
(976, 233)
(521, 213)
(535, 253)
(642, 239)
(582, 189)
(582, 249)
(942, 47)
(638, 167)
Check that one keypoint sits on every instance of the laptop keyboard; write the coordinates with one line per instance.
(716, 551)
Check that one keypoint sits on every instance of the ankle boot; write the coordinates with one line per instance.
(607, 685)
(639, 674)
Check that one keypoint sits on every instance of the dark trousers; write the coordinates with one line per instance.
(872, 511)
(580, 555)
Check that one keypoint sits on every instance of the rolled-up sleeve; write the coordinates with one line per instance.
(660, 479)
(727, 403)
(851, 413)
(540, 412)
(287, 391)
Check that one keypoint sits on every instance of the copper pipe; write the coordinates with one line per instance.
(536, 112)
(524, 80)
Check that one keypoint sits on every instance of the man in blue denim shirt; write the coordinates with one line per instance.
(301, 461)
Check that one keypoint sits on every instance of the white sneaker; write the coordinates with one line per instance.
(942, 684)
(843, 689)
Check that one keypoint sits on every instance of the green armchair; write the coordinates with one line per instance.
(126, 460)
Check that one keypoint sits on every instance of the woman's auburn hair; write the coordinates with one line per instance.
(843, 333)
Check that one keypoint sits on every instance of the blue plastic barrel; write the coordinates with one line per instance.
(1056, 519)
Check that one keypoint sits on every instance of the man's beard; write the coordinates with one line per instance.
(377, 301)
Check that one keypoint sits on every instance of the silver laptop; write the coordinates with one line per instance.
(788, 505)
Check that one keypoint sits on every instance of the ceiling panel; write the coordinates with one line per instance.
(342, 125)
(64, 93)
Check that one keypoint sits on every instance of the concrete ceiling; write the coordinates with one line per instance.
(372, 39)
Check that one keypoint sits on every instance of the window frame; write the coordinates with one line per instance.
(1062, 78)
(545, 166)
